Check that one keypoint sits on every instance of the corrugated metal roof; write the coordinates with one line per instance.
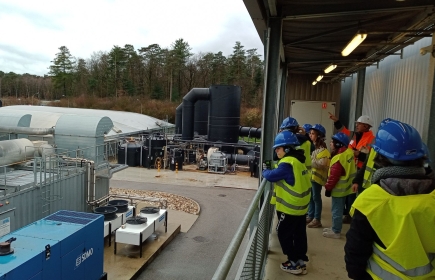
(124, 122)
(315, 32)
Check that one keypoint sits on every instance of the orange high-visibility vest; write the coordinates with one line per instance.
(366, 142)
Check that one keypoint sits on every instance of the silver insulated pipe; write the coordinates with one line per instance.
(26, 130)
(14, 151)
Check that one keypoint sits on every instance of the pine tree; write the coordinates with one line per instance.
(180, 54)
(62, 70)
(152, 58)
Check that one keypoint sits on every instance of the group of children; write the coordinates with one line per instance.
(304, 166)
(394, 210)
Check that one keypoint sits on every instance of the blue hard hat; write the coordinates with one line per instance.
(307, 127)
(289, 122)
(385, 121)
(319, 128)
(426, 152)
(285, 138)
(342, 138)
(398, 141)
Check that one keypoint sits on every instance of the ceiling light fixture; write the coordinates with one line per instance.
(319, 77)
(356, 40)
(315, 82)
(330, 68)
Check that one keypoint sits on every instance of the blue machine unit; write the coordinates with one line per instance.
(64, 245)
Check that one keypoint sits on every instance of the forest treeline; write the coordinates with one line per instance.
(144, 74)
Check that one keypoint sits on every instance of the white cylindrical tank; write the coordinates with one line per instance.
(17, 150)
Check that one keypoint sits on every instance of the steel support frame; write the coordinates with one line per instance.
(271, 88)
(428, 134)
(360, 92)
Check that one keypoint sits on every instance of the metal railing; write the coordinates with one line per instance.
(259, 217)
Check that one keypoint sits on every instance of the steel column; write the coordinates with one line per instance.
(428, 134)
(360, 92)
(284, 73)
(270, 114)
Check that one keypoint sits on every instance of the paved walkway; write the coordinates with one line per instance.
(326, 255)
(188, 177)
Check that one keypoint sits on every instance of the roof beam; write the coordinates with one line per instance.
(418, 35)
(387, 44)
(313, 50)
(322, 11)
(337, 30)
(323, 61)
(272, 8)
(323, 34)
(399, 31)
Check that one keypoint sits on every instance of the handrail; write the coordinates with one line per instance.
(230, 254)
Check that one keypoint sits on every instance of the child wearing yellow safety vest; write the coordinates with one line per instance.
(320, 158)
(291, 196)
(341, 172)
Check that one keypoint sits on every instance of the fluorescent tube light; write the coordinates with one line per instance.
(357, 39)
(330, 68)
(319, 77)
(315, 82)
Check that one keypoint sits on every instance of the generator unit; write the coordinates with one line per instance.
(64, 245)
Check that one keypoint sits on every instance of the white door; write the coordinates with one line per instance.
(314, 112)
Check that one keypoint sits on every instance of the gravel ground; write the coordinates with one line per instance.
(154, 198)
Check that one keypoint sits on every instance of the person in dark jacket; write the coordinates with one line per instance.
(291, 196)
(392, 234)
(292, 125)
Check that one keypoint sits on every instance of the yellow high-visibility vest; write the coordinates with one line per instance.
(293, 200)
(343, 187)
(306, 146)
(404, 224)
(320, 175)
(370, 169)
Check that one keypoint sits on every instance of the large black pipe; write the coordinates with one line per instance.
(239, 159)
(224, 116)
(179, 119)
(250, 131)
(201, 117)
(188, 114)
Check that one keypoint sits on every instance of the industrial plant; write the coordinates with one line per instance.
(56, 165)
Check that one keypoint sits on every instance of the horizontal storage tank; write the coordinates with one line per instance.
(17, 150)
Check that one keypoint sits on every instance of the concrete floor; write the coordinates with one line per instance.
(326, 255)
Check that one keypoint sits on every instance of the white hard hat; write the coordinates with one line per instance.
(366, 120)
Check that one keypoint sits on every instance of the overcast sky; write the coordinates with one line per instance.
(32, 31)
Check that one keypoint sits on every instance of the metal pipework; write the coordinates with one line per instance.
(27, 130)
